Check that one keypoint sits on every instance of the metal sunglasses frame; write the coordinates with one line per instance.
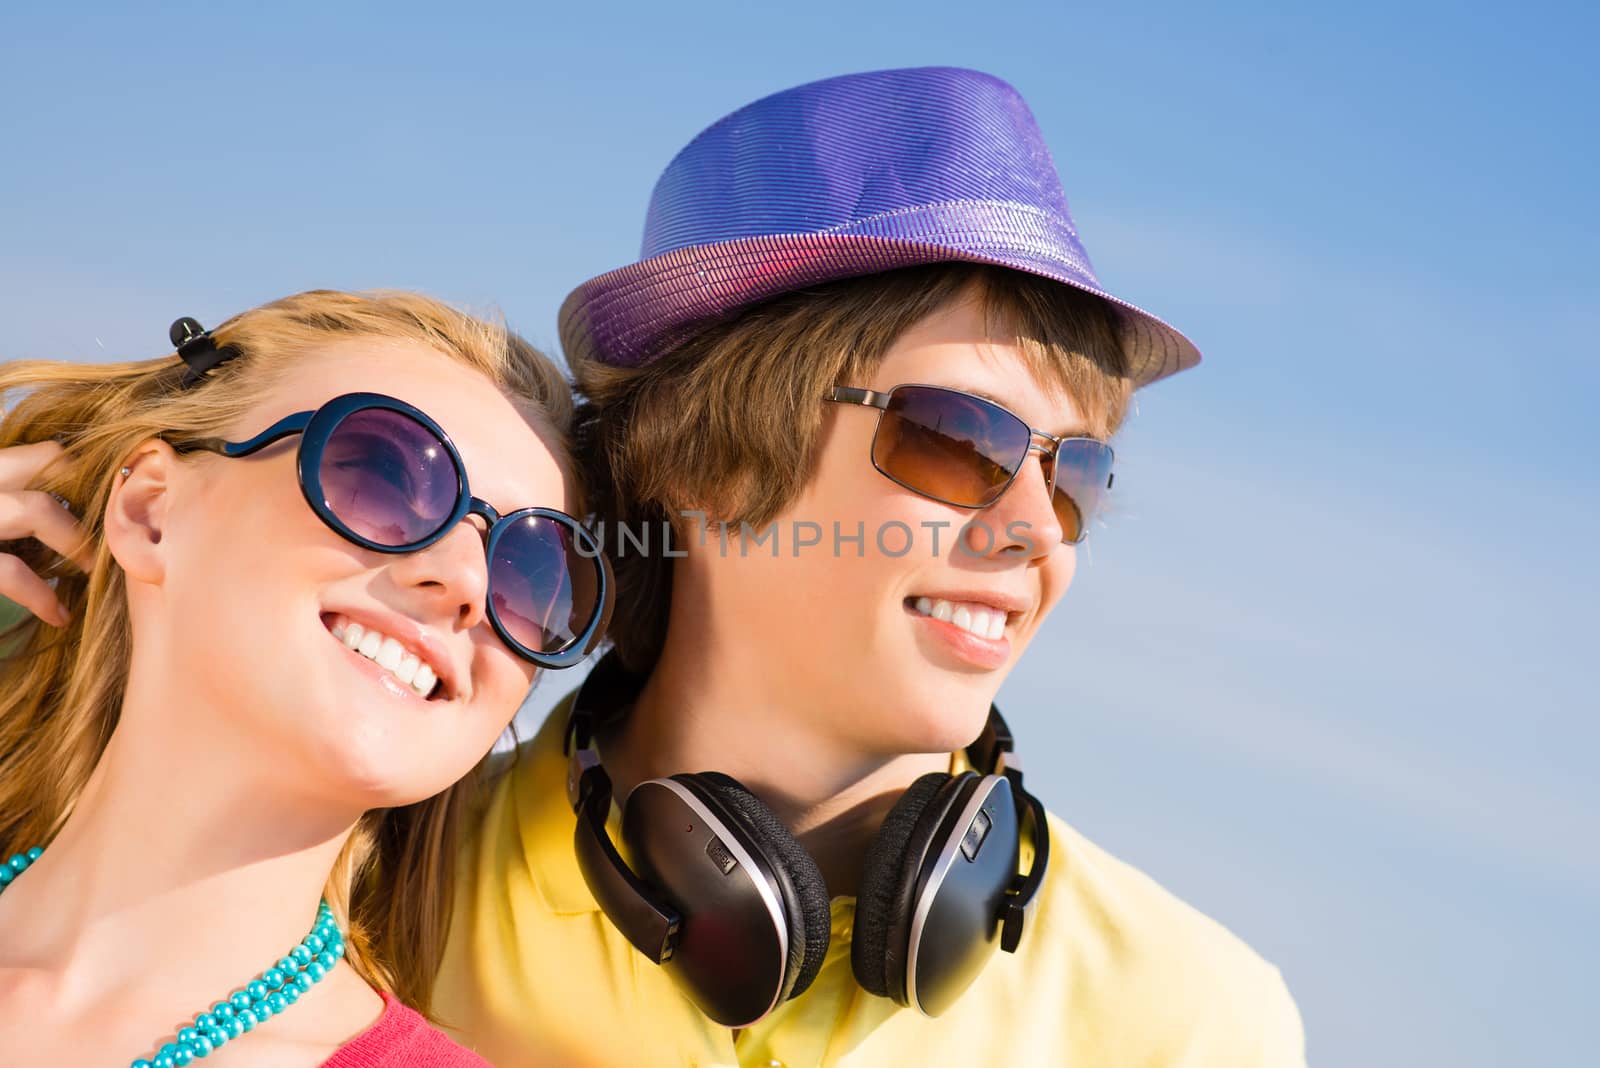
(316, 427)
(880, 400)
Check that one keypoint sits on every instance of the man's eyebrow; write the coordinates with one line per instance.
(986, 395)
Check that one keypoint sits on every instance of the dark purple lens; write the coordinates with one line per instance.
(951, 446)
(388, 478)
(544, 592)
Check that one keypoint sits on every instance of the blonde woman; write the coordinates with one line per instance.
(320, 555)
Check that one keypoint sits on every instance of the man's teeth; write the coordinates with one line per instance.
(981, 620)
(387, 653)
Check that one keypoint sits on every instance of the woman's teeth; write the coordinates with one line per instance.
(977, 619)
(387, 653)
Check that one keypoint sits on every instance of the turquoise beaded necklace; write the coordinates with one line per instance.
(261, 999)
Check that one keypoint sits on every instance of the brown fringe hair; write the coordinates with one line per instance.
(727, 423)
(61, 690)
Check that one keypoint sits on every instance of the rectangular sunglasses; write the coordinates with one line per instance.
(383, 475)
(965, 450)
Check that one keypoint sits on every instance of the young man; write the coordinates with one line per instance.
(866, 375)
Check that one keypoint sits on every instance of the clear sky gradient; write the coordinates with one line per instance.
(1328, 670)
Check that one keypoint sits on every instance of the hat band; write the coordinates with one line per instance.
(639, 311)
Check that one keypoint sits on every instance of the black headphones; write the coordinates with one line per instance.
(737, 912)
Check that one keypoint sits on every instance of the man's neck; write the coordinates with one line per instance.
(699, 712)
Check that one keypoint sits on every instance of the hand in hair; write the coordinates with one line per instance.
(26, 514)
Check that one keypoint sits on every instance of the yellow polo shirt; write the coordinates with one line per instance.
(1112, 971)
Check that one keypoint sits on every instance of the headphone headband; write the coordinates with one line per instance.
(638, 911)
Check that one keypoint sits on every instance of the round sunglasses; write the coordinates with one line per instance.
(382, 474)
(965, 450)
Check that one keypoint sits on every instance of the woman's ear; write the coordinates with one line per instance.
(136, 511)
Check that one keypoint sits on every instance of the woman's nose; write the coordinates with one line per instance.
(451, 576)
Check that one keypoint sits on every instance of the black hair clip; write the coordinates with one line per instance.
(198, 349)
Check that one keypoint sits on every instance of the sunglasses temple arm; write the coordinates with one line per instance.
(292, 424)
(852, 395)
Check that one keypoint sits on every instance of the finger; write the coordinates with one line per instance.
(33, 514)
(19, 584)
(21, 465)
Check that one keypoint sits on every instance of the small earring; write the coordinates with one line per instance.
(126, 471)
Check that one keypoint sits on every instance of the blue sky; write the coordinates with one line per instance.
(1327, 672)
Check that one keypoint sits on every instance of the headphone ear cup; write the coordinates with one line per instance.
(800, 882)
(888, 884)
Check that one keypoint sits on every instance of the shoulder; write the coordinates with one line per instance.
(516, 857)
(1121, 910)
(519, 786)
(403, 1039)
(533, 756)
(1154, 971)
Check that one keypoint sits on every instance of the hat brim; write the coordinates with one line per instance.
(630, 316)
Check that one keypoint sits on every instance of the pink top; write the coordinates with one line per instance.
(401, 1038)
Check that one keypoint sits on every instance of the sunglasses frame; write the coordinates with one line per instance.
(316, 427)
(871, 398)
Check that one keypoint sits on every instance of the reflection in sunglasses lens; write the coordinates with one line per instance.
(954, 447)
(1083, 467)
(543, 591)
(387, 477)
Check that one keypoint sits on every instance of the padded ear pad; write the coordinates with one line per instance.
(800, 882)
(887, 895)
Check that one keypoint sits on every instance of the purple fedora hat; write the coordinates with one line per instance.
(841, 178)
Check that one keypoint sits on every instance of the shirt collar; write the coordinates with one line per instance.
(544, 819)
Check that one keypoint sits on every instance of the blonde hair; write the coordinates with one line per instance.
(61, 691)
(728, 422)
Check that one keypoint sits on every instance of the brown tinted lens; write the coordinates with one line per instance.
(1082, 469)
(958, 448)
